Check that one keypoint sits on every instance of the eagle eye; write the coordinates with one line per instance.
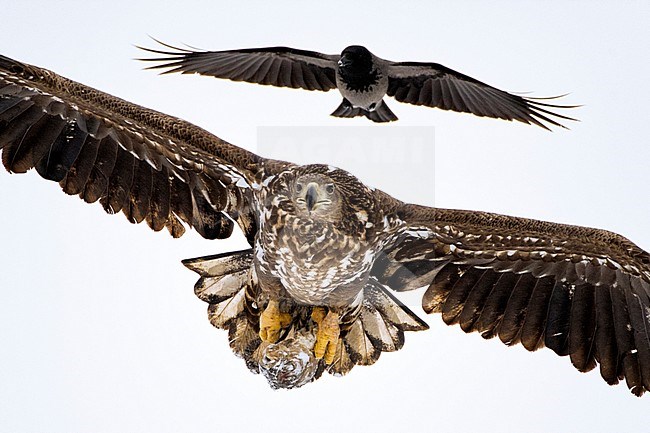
(330, 188)
(298, 187)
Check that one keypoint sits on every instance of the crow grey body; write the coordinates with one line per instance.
(362, 79)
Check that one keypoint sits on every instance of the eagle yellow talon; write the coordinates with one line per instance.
(318, 314)
(272, 322)
(327, 337)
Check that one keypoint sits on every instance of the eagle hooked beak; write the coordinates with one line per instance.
(311, 197)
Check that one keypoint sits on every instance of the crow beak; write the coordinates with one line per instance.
(311, 197)
(344, 61)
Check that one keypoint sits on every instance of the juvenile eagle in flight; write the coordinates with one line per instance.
(363, 80)
(312, 294)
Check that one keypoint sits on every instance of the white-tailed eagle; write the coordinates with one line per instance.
(313, 292)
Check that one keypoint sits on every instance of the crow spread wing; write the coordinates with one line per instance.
(275, 66)
(435, 85)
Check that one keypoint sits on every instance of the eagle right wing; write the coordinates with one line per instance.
(580, 291)
(275, 66)
(148, 165)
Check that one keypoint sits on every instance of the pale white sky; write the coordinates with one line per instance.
(99, 327)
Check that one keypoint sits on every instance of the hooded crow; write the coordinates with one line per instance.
(363, 80)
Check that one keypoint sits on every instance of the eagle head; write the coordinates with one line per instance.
(316, 195)
(322, 196)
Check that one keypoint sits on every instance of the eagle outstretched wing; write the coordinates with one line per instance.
(580, 291)
(150, 166)
(435, 85)
(275, 66)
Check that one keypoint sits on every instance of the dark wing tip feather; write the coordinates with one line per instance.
(175, 49)
(173, 59)
(536, 109)
(532, 111)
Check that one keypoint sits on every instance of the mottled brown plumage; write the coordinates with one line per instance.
(320, 238)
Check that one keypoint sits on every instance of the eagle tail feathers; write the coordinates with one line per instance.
(226, 285)
(230, 288)
(379, 327)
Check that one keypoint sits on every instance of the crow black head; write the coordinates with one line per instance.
(356, 59)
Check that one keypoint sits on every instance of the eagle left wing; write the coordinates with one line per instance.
(146, 164)
(580, 291)
(435, 85)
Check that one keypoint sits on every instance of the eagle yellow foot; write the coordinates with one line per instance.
(327, 337)
(272, 322)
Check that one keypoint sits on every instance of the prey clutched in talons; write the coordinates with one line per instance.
(327, 337)
(272, 322)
